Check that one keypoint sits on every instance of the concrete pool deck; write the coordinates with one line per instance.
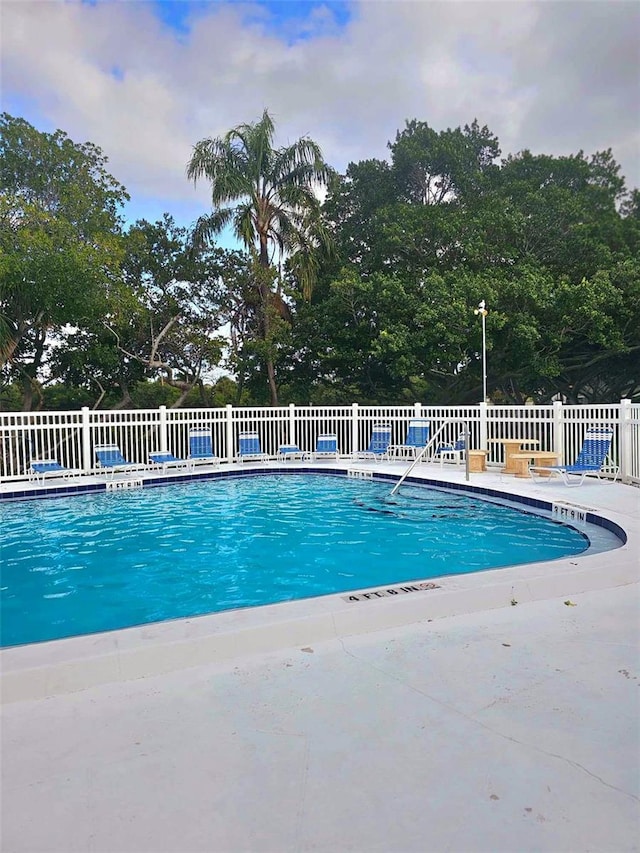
(445, 719)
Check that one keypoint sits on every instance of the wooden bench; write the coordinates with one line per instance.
(542, 458)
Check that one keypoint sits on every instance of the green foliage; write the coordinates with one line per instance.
(150, 395)
(562, 211)
(10, 397)
(272, 187)
(551, 243)
(161, 322)
(66, 398)
(438, 168)
(59, 247)
(224, 392)
(373, 295)
(67, 180)
(390, 337)
(269, 197)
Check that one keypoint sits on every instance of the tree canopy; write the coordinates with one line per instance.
(551, 244)
(59, 251)
(366, 296)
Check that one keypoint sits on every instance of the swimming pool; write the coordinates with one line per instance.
(82, 564)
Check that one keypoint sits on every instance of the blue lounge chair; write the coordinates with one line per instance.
(165, 460)
(454, 451)
(379, 442)
(110, 458)
(201, 448)
(249, 448)
(593, 454)
(40, 469)
(289, 452)
(416, 440)
(326, 446)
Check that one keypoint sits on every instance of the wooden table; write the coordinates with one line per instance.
(542, 458)
(511, 447)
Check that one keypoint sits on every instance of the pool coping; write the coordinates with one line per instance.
(76, 663)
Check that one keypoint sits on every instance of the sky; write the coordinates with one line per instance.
(146, 79)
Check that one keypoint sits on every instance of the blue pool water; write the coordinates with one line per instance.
(82, 564)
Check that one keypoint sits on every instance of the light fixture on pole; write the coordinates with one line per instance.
(482, 310)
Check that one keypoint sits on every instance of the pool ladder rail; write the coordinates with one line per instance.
(466, 432)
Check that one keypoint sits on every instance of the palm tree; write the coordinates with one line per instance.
(268, 195)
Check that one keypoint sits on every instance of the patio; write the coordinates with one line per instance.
(510, 729)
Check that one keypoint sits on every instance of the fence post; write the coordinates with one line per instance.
(558, 431)
(164, 443)
(229, 431)
(417, 410)
(292, 423)
(86, 439)
(355, 417)
(484, 426)
(625, 440)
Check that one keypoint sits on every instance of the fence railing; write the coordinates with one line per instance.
(70, 437)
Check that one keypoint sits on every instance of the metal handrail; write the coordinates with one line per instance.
(429, 445)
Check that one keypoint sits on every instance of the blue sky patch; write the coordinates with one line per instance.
(21, 106)
(176, 13)
(277, 16)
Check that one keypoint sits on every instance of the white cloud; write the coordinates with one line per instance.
(553, 77)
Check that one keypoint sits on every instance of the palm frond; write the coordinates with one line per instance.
(300, 197)
(202, 163)
(209, 225)
(303, 160)
(244, 224)
(304, 264)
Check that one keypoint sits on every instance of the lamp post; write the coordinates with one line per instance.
(482, 310)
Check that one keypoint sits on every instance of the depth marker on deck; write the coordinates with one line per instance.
(391, 591)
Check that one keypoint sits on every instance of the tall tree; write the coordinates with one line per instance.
(163, 321)
(269, 197)
(59, 243)
(178, 304)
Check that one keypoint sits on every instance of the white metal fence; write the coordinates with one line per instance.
(70, 437)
